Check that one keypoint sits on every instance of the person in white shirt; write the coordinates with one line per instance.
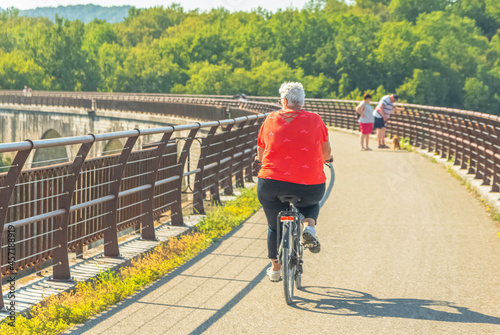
(382, 113)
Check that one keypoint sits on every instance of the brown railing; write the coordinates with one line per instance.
(48, 211)
(185, 106)
(469, 139)
(44, 100)
(47, 226)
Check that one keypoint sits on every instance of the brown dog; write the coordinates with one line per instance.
(395, 143)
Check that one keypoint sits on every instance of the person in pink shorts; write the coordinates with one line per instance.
(366, 121)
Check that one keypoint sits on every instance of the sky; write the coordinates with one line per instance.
(232, 5)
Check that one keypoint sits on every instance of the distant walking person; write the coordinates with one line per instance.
(25, 91)
(382, 114)
(366, 120)
(242, 100)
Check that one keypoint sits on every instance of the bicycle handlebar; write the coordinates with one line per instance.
(330, 185)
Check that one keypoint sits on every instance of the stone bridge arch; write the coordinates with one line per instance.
(50, 156)
(112, 147)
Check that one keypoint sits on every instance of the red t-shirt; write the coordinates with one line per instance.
(293, 150)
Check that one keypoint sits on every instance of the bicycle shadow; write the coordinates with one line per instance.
(339, 301)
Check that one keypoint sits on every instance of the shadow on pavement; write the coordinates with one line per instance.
(339, 301)
(231, 303)
(401, 151)
(89, 324)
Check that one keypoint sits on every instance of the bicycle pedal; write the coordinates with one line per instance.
(310, 245)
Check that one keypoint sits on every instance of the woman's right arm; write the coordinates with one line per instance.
(327, 151)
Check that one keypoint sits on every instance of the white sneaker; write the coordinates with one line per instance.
(311, 240)
(274, 276)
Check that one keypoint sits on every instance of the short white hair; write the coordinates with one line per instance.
(293, 93)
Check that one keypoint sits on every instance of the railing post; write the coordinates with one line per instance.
(241, 139)
(60, 260)
(253, 130)
(495, 179)
(495, 156)
(110, 233)
(472, 142)
(198, 193)
(148, 228)
(176, 209)
(220, 157)
(6, 191)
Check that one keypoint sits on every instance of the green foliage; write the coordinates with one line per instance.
(16, 70)
(223, 219)
(486, 13)
(404, 143)
(436, 52)
(56, 314)
(425, 86)
(410, 9)
(476, 94)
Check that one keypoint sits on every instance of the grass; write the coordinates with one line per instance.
(404, 143)
(58, 313)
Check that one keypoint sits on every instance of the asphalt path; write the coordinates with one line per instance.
(405, 250)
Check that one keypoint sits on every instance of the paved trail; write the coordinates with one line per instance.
(405, 250)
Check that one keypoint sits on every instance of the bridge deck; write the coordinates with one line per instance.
(405, 250)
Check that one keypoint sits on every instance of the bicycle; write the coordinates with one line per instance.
(291, 247)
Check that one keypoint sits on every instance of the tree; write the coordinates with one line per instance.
(395, 53)
(477, 95)
(481, 11)
(355, 42)
(425, 87)
(16, 71)
(110, 62)
(145, 69)
(410, 9)
(439, 52)
(206, 78)
(151, 22)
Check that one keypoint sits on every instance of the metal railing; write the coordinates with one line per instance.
(75, 203)
(56, 209)
(212, 109)
(470, 139)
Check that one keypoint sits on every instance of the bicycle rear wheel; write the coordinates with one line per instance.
(286, 263)
(288, 275)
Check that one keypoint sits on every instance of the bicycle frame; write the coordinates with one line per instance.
(290, 241)
(289, 220)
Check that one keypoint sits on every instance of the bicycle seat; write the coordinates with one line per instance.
(288, 198)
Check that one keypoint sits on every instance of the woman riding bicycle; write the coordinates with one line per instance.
(292, 147)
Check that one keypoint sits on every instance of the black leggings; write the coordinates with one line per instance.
(268, 191)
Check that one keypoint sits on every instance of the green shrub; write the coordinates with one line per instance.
(404, 143)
